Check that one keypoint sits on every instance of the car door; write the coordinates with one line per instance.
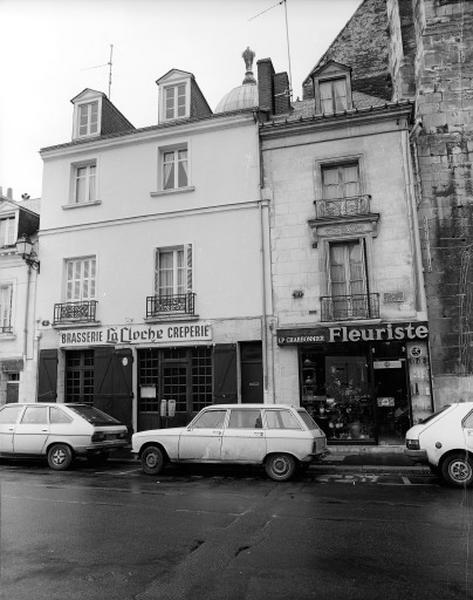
(244, 438)
(8, 418)
(32, 432)
(202, 439)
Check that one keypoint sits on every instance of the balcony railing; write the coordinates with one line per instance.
(6, 329)
(342, 207)
(170, 304)
(348, 308)
(75, 312)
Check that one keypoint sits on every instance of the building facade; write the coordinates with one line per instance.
(154, 247)
(18, 281)
(351, 335)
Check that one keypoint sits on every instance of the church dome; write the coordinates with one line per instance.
(246, 94)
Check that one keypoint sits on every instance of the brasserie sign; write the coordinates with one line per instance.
(384, 332)
(137, 334)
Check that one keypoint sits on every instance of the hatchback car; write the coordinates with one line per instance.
(277, 436)
(59, 432)
(444, 441)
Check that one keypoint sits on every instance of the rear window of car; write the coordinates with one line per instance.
(308, 420)
(9, 414)
(94, 415)
(435, 414)
(281, 419)
(57, 415)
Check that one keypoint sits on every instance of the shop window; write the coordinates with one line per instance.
(80, 376)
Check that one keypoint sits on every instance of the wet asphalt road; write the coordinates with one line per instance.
(217, 533)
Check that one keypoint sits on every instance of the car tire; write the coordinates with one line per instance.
(457, 469)
(152, 460)
(59, 457)
(280, 467)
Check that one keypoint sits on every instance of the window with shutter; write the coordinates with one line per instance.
(173, 279)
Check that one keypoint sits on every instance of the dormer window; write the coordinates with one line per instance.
(332, 88)
(88, 118)
(175, 101)
(333, 95)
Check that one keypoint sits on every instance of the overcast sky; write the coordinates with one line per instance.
(48, 47)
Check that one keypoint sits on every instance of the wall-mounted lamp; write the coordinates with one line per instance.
(298, 294)
(24, 247)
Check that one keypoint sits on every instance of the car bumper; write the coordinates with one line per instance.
(106, 446)
(315, 457)
(416, 455)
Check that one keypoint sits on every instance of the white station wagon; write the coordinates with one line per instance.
(444, 441)
(59, 432)
(277, 436)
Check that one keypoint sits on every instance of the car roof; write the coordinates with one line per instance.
(254, 405)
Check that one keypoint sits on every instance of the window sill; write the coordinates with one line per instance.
(81, 204)
(75, 324)
(189, 188)
(7, 336)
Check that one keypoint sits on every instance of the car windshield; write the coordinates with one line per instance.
(94, 415)
(433, 415)
(308, 420)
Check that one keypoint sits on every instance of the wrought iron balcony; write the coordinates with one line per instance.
(348, 308)
(6, 329)
(335, 208)
(75, 312)
(170, 304)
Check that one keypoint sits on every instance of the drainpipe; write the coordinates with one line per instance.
(27, 308)
(264, 318)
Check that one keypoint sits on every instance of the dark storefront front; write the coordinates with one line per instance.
(363, 384)
(131, 383)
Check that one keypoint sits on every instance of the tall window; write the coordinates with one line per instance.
(80, 279)
(340, 181)
(173, 271)
(88, 118)
(79, 376)
(84, 183)
(333, 95)
(347, 278)
(7, 231)
(6, 296)
(175, 99)
(175, 168)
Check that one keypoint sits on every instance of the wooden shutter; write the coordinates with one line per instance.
(188, 259)
(225, 373)
(113, 390)
(47, 375)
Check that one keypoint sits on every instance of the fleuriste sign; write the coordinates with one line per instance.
(170, 333)
(364, 333)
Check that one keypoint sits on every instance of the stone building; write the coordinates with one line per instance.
(421, 50)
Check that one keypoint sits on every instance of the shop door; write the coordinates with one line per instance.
(392, 403)
(251, 372)
(349, 406)
(174, 386)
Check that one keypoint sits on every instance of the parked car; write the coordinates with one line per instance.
(444, 441)
(277, 436)
(59, 432)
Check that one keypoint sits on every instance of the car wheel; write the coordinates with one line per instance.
(280, 467)
(152, 460)
(457, 469)
(59, 457)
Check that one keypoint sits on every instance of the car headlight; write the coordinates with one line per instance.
(412, 444)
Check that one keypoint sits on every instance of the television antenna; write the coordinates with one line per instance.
(109, 64)
(284, 3)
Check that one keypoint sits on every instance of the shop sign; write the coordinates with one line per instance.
(12, 366)
(170, 333)
(364, 333)
(386, 401)
(387, 364)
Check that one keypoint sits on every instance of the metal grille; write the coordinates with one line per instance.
(201, 378)
(346, 308)
(170, 304)
(83, 312)
(80, 376)
(343, 207)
